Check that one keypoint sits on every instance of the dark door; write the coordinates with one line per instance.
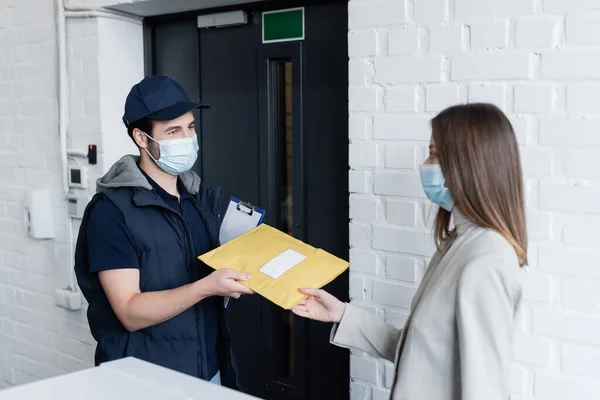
(276, 135)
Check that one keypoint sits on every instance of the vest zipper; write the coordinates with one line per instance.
(199, 312)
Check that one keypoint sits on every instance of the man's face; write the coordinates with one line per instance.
(180, 128)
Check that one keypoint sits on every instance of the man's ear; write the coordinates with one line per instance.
(140, 138)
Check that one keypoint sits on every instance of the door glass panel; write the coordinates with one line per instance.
(284, 139)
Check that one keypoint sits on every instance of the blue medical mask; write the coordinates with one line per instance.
(177, 155)
(433, 181)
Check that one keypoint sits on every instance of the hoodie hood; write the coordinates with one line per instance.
(126, 173)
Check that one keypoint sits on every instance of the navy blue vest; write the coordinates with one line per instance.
(165, 250)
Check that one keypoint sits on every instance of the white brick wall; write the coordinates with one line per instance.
(37, 339)
(539, 60)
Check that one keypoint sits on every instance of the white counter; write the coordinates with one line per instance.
(129, 379)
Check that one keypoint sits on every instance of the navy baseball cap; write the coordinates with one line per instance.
(159, 98)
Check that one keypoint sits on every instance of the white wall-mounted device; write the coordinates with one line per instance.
(221, 20)
(39, 214)
(76, 204)
(78, 176)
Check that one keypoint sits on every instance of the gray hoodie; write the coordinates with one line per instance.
(126, 173)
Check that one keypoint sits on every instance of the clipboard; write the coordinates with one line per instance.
(240, 217)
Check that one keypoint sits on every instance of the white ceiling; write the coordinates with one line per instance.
(147, 8)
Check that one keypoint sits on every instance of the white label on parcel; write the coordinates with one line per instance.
(282, 263)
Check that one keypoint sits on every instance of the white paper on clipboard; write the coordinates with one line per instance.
(240, 218)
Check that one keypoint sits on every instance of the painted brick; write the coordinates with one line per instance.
(37, 370)
(362, 44)
(379, 394)
(403, 41)
(364, 261)
(446, 39)
(581, 361)
(359, 391)
(401, 268)
(398, 156)
(489, 35)
(559, 6)
(583, 164)
(583, 30)
(439, 97)
(581, 294)
(70, 364)
(430, 11)
(534, 98)
(583, 99)
(363, 369)
(363, 208)
(536, 33)
(569, 198)
(471, 9)
(568, 261)
(537, 288)
(582, 231)
(392, 294)
(494, 94)
(360, 72)
(531, 351)
(403, 241)
(573, 132)
(517, 379)
(401, 127)
(537, 162)
(561, 32)
(491, 67)
(551, 386)
(401, 99)
(577, 328)
(357, 288)
(398, 184)
(357, 181)
(358, 127)
(32, 335)
(398, 70)
(363, 99)
(360, 235)
(363, 154)
(400, 212)
(539, 225)
(366, 15)
(559, 65)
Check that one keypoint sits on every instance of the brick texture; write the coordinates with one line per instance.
(539, 61)
(37, 339)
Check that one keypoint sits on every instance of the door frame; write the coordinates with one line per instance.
(295, 51)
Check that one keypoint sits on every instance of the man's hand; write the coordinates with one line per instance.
(138, 310)
(224, 282)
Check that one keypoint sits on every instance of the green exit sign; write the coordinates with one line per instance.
(283, 25)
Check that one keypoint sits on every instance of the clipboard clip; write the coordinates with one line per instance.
(245, 207)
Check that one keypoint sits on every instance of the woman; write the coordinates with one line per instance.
(457, 341)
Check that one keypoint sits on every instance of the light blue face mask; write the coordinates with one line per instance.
(433, 181)
(177, 155)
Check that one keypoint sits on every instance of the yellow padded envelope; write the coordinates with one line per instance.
(278, 263)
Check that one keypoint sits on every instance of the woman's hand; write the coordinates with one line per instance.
(320, 306)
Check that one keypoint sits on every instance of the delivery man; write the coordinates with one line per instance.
(136, 257)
